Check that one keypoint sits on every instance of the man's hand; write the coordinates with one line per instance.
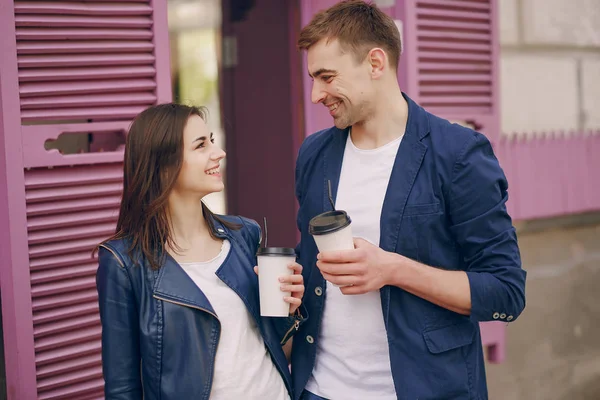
(368, 268)
(363, 269)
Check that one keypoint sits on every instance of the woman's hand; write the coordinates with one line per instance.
(293, 283)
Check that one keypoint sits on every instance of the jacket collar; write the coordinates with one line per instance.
(408, 161)
(174, 284)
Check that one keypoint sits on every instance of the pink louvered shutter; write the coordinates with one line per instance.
(449, 63)
(450, 67)
(86, 68)
(450, 59)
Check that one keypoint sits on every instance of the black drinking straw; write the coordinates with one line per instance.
(266, 231)
(330, 196)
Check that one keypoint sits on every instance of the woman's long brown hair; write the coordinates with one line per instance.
(153, 160)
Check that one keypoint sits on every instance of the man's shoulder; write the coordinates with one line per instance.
(315, 142)
(449, 137)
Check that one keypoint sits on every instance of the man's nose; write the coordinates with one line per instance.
(317, 94)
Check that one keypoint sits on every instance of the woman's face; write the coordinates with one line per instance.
(200, 174)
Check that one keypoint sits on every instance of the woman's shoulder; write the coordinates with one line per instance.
(118, 245)
(245, 227)
(119, 249)
(239, 222)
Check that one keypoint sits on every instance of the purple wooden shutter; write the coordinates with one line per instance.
(449, 63)
(450, 67)
(84, 67)
(450, 59)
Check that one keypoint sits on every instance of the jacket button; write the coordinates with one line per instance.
(496, 315)
(502, 316)
(310, 339)
(220, 230)
(318, 291)
(509, 318)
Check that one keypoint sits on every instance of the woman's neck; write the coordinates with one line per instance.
(186, 218)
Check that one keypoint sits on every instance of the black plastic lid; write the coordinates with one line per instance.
(328, 222)
(276, 251)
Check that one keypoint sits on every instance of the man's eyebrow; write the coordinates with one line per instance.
(322, 71)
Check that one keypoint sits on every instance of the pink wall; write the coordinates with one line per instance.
(552, 174)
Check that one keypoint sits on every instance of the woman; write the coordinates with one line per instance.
(177, 292)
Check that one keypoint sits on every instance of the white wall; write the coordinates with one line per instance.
(550, 65)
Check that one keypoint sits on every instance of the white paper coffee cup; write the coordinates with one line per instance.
(332, 230)
(272, 264)
(339, 240)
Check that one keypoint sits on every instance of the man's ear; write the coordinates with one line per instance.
(378, 61)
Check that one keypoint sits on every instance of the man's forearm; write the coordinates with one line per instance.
(448, 289)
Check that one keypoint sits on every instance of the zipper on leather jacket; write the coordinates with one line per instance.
(114, 254)
(186, 305)
(212, 372)
(194, 307)
(289, 333)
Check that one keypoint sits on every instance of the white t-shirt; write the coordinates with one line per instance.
(243, 367)
(353, 360)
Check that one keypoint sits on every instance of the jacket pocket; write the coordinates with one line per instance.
(450, 337)
(418, 231)
(413, 210)
(446, 370)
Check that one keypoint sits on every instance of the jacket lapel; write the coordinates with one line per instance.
(404, 172)
(406, 166)
(332, 165)
(238, 274)
(173, 284)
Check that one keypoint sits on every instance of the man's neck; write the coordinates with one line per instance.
(386, 124)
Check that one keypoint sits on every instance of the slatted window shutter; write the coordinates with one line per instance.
(450, 60)
(84, 67)
(450, 67)
(449, 63)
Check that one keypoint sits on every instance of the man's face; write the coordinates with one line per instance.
(342, 84)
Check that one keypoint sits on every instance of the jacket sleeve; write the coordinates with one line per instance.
(120, 332)
(484, 231)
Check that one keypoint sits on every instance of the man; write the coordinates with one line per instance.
(435, 250)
